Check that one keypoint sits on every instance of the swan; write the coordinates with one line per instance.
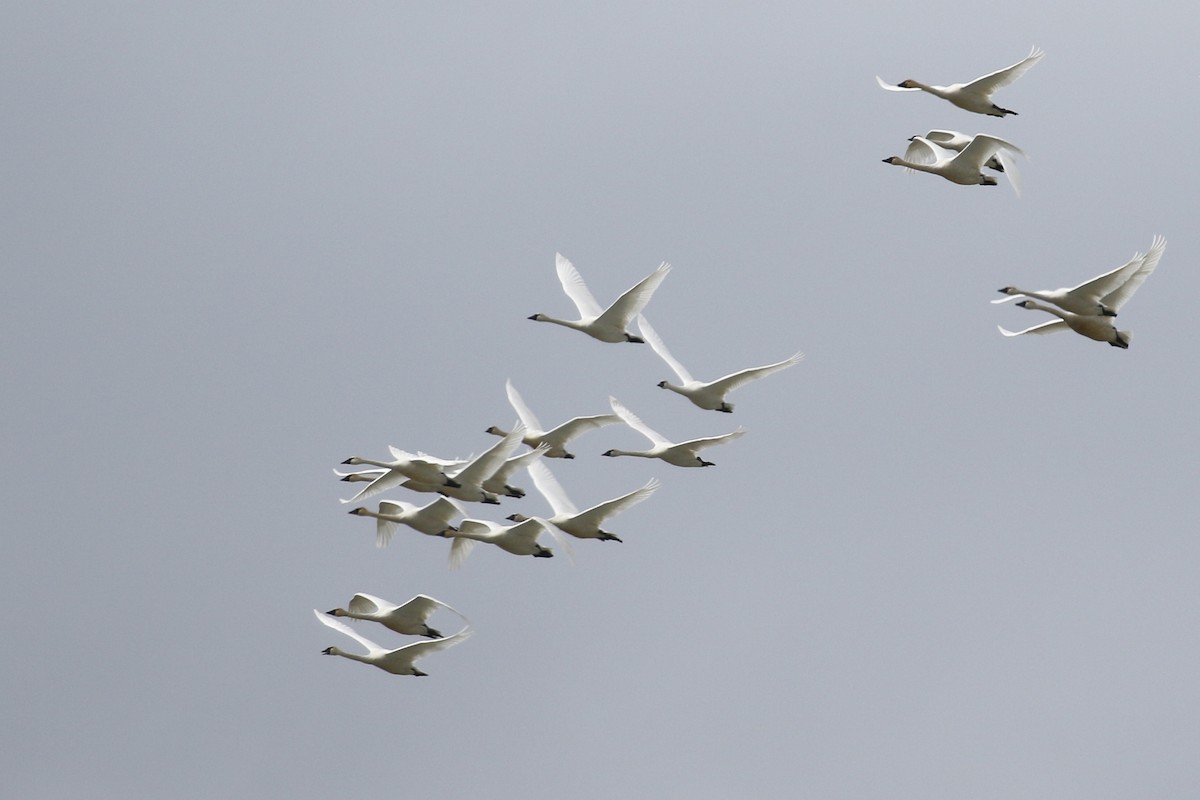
(682, 454)
(398, 661)
(408, 619)
(1093, 326)
(406, 466)
(519, 539)
(430, 519)
(476, 472)
(568, 518)
(953, 140)
(362, 475)
(556, 438)
(711, 395)
(975, 96)
(964, 168)
(1104, 294)
(607, 325)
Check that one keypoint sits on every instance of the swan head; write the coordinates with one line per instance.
(1025, 304)
(662, 384)
(1009, 290)
(892, 160)
(609, 453)
(354, 460)
(330, 651)
(536, 317)
(908, 83)
(542, 552)
(337, 612)
(358, 512)
(494, 431)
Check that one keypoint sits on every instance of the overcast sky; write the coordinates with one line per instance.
(244, 243)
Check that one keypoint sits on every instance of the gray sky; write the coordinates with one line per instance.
(245, 244)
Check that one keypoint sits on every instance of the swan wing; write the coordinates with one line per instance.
(630, 304)
(602, 511)
(736, 379)
(527, 531)
(573, 427)
(709, 441)
(442, 511)
(1053, 326)
(952, 140)
(922, 151)
(1117, 297)
(891, 87)
(528, 418)
(390, 479)
(417, 610)
(486, 463)
(338, 625)
(1010, 171)
(460, 548)
(409, 653)
(656, 343)
(514, 463)
(363, 603)
(575, 288)
(633, 421)
(983, 146)
(549, 488)
(989, 83)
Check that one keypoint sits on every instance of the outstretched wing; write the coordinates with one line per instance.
(656, 343)
(633, 421)
(630, 304)
(486, 463)
(528, 419)
(1003, 77)
(575, 288)
(602, 511)
(731, 382)
(337, 625)
(1053, 326)
(1118, 296)
(709, 441)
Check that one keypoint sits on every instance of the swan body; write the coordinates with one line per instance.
(406, 466)
(1104, 294)
(519, 539)
(430, 519)
(964, 168)
(975, 96)
(709, 395)
(398, 661)
(568, 518)
(556, 438)
(681, 454)
(607, 325)
(409, 618)
(953, 140)
(1093, 326)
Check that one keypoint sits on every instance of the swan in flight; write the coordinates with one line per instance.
(707, 395)
(953, 140)
(975, 96)
(964, 168)
(398, 661)
(682, 454)
(556, 438)
(1104, 294)
(607, 325)
(430, 519)
(407, 466)
(408, 619)
(519, 539)
(1093, 326)
(568, 518)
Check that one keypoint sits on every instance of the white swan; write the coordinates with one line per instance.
(1093, 326)
(682, 454)
(430, 519)
(964, 168)
(568, 518)
(956, 141)
(406, 466)
(519, 539)
(398, 661)
(607, 325)
(975, 96)
(497, 483)
(556, 438)
(409, 618)
(1104, 294)
(707, 395)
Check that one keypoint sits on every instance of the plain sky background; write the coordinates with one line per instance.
(246, 241)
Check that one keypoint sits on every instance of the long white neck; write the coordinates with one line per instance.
(367, 659)
(1065, 316)
(638, 453)
(567, 323)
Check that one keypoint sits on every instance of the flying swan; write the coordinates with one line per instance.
(975, 96)
(607, 325)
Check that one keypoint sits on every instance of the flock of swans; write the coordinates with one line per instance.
(1089, 308)
(485, 478)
